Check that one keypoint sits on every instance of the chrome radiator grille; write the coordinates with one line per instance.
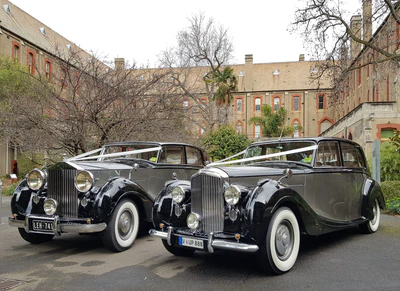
(60, 186)
(208, 201)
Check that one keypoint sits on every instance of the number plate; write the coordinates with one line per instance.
(190, 242)
(41, 225)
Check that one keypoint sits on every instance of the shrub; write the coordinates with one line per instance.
(391, 192)
(8, 188)
(393, 206)
(390, 162)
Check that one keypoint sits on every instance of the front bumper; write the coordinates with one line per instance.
(211, 242)
(58, 226)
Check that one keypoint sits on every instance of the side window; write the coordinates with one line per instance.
(193, 156)
(172, 155)
(328, 154)
(352, 156)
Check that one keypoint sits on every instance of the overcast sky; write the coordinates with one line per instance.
(140, 30)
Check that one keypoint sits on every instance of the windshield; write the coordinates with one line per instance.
(149, 156)
(281, 147)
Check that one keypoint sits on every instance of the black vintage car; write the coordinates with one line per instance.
(279, 190)
(108, 191)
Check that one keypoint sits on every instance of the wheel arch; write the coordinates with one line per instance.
(118, 189)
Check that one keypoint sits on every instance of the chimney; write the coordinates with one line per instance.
(355, 26)
(367, 19)
(248, 79)
(119, 64)
(301, 58)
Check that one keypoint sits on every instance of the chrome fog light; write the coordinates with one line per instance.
(84, 181)
(84, 202)
(193, 220)
(178, 194)
(35, 179)
(233, 215)
(50, 206)
(35, 199)
(232, 195)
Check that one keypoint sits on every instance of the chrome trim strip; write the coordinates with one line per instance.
(169, 235)
(17, 223)
(83, 228)
(159, 234)
(211, 244)
(234, 246)
(59, 227)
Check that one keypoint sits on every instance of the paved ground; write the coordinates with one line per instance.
(346, 260)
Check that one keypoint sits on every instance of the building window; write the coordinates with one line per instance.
(202, 130)
(257, 102)
(15, 52)
(296, 101)
(359, 74)
(277, 103)
(63, 78)
(203, 103)
(239, 128)
(321, 101)
(185, 104)
(257, 131)
(296, 126)
(47, 69)
(31, 63)
(239, 104)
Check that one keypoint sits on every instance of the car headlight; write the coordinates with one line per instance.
(84, 181)
(36, 179)
(193, 220)
(178, 194)
(232, 195)
(50, 206)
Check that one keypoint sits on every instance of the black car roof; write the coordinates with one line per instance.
(153, 143)
(301, 139)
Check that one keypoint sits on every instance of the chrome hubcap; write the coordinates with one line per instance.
(284, 240)
(373, 221)
(125, 224)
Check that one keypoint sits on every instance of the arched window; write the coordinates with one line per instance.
(257, 131)
(257, 102)
(321, 101)
(47, 68)
(239, 127)
(239, 105)
(15, 52)
(296, 103)
(31, 63)
(277, 103)
(296, 125)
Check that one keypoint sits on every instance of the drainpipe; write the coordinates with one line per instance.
(7, 142)
(1, 199)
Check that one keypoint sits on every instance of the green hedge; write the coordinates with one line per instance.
(391, 192)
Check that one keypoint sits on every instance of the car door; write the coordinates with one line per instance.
(355, 172)
(330, 199)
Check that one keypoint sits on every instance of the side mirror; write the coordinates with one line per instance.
(287, 173)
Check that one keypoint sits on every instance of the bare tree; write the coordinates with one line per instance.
(87, 104)
(203, 49)
(325, 26)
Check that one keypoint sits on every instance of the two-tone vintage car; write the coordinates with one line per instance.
(279, 190)
(109, 191)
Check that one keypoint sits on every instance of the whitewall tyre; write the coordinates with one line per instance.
(123, 227)
(278, 252)
(372, 225)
